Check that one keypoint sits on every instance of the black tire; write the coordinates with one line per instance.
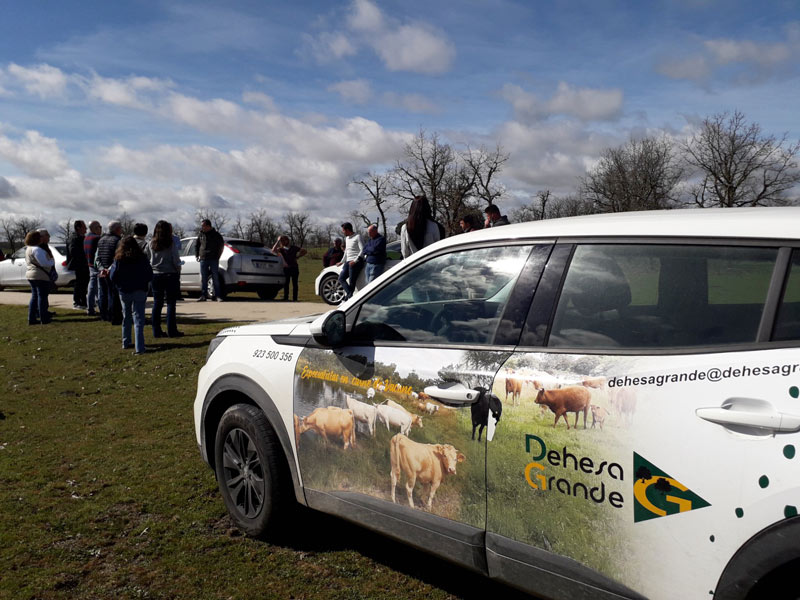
(268, 293)
(251, 470)
(331, 290)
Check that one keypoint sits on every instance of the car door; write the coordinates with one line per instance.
(396, 403)
(15, 271)
(190, 267)
(654, 430)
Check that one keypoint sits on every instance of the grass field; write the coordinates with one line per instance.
(103, 493)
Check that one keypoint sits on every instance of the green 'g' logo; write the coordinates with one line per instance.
(656, 494)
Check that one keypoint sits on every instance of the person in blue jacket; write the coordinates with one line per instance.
(131, 273)
(374, 252)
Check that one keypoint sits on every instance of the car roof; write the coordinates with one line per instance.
(750, 223)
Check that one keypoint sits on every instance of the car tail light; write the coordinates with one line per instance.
(231, 248)
(241, 283)
(64, 264)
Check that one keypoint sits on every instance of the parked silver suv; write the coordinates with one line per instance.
(243, 266)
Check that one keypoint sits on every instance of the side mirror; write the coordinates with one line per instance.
(332, 328)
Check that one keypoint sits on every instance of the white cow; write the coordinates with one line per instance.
(366, 413)
(371, 393)
(393, 417)
(431, 408)
(415, 419)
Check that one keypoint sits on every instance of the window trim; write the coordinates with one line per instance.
(353, 313)
(767, 324)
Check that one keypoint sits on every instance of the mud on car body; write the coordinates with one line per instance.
(638, 377)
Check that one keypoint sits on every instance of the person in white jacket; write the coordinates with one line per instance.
(351, 266)
(420, 229)
(38, 263)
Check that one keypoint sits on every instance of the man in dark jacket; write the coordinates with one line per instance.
(374, 253)
(494, 218)
(334, 255)
(208, 250)
(90, 250)
(76, 261)
(108, 299)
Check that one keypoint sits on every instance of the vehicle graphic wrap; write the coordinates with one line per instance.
(607, 460)
(364, 424)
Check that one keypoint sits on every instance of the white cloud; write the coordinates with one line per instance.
(7, 189)
(586, 104)
(739, 60)
(34, 154)
(260, 99)
(415, 47)
(354, 90)
(43, 80)
(124, 92)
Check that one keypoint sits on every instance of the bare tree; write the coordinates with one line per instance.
(378, 187)
(639, 175)
(218, 219)
(485, 165)
(15, 230)
(740, 166)
(241, 229)
(427, 161)
(262, 228)
(178, 230)
(547, 206)
(299, 225)
(65, 230)
(127, 223)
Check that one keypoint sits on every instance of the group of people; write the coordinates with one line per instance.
(113, 275)
(417, 232)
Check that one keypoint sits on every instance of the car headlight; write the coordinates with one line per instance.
(213, 345)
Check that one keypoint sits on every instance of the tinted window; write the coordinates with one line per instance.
(662, 295)
(457, 297)
(787, 325)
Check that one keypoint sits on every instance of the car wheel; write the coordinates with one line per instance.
(251, 471)
(213, 292)
(268, 293)
(331, 290)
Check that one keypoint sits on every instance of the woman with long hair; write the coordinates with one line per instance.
(420, 229)
(162, 251)
(38, 263)
(131, 274)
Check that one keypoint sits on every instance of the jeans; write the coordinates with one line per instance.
(108, 301)
(292, 273)
(210, 268)
(39, 304)
(133, 313)
(350, 272)
(91, 297)
(374, 271)
(81, 284)
(165, 284)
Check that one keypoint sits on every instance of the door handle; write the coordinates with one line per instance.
(453, 393)
(748, 414)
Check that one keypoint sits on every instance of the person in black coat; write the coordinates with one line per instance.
(76, 261)
(108, 298)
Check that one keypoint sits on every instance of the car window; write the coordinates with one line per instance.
(19, 253)
(253, 248)
(787, 323)
(188, 247)
(393, 251)
(457, 297)
(662, 295)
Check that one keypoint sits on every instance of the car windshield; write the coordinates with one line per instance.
(244, 247)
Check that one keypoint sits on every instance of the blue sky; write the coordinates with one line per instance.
(162, 109)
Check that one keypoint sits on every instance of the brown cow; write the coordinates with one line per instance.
(513, 387)
(428, 463)
(594, 382)
(623, 401)
(599, 415)
(331, 422)
(569, 399)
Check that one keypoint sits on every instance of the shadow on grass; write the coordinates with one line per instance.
(341, 535)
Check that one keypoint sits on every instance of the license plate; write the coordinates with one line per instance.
(260, 264)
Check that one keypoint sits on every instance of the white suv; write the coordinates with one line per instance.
(598, 407)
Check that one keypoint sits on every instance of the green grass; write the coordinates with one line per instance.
(103, 493)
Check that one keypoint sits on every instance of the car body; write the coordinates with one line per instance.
(12, 269)
(675, 334)
(243, 266)
(327, 284)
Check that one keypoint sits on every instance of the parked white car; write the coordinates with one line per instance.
(638, 377)
(243, 266)
(12, 269)
(327, 284)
